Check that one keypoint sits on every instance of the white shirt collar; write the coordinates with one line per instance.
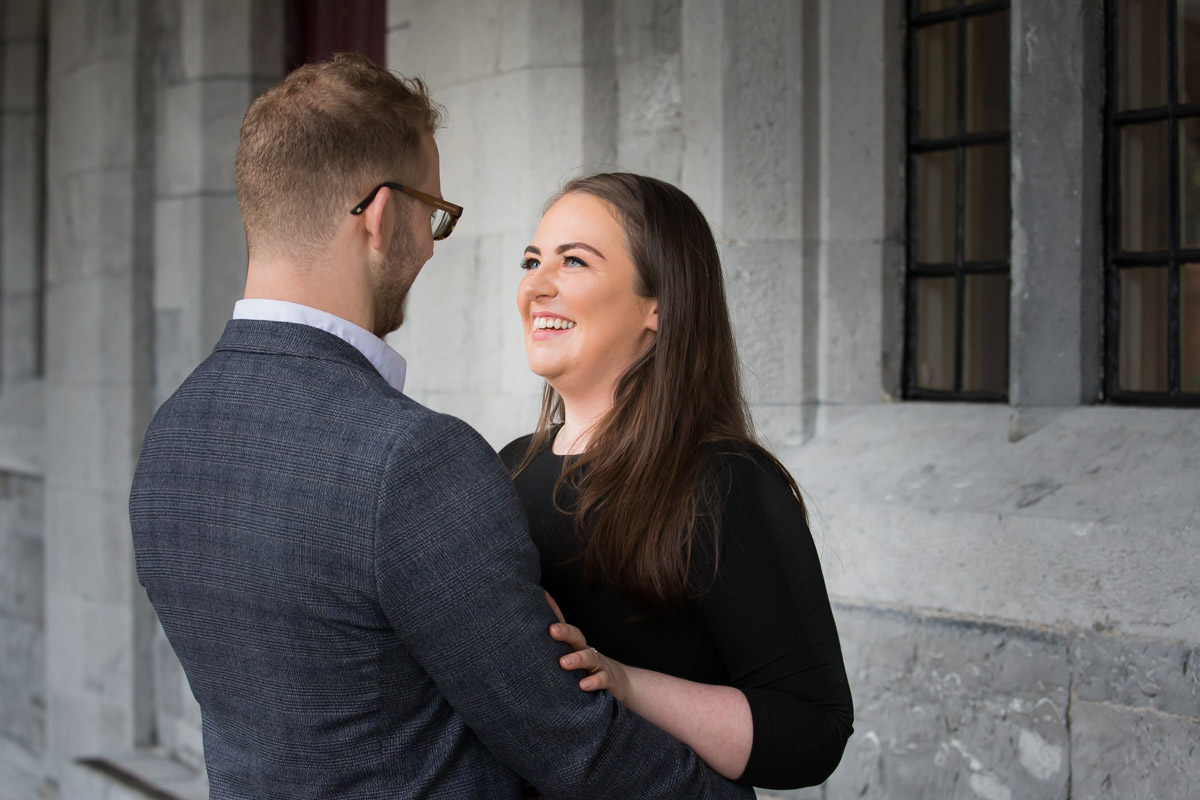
(391, 365)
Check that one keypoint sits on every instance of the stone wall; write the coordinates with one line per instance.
(1014, 584)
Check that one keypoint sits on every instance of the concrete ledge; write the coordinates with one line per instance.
(1088, 520)
(147, 775)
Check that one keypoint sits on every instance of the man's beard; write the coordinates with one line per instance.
(399, 270)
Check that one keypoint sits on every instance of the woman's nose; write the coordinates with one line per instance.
(538, 283)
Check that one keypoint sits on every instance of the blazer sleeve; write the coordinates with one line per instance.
(458, 579)
(770, 616)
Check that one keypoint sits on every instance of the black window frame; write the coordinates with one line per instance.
(960, 269)
(1115, 259)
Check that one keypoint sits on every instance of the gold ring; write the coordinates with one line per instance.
(596, 668)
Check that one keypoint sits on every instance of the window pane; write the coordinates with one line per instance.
(1189, 328)
(985, 333)
(1142, 53)
(1144, 209)
(987, 73)
(936, 206)
(1189, 51)
(1143, 345)
(937, 103)
(1189, 183)
(985, 228)
(936, 5)
(935, 333)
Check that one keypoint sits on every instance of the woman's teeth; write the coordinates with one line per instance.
(552, 323)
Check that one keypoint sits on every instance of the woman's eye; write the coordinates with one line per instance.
(572, 261)
(529, 263)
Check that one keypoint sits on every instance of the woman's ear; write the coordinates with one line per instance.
(652, 317)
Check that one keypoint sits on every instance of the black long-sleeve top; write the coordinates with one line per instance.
(765, 625)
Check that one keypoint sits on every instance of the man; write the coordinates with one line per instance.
(344, 574)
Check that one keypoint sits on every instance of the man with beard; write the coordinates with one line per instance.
(344, 574)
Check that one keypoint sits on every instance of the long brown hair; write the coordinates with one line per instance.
(648, 494)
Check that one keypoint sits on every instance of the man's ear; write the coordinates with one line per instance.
(375, 219)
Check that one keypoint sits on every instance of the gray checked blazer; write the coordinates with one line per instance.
(347, 579)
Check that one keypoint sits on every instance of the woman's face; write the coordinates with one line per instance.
(584, 323)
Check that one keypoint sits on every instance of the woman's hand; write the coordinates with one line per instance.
(603, 672)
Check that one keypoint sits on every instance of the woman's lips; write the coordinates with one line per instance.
(549, 326)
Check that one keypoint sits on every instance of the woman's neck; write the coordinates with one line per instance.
(581, 415)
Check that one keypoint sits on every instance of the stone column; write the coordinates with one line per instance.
(748, 149)
(98, 371)
(862, 200)
(1057, 106)
(512, 80)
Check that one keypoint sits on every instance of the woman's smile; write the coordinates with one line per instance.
(549, 326)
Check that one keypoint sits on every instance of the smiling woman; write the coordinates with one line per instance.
(665, 531)
(586, 313)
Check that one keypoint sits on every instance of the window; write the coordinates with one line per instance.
(1153, 156)
(957, 280)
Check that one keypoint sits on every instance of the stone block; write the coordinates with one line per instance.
(89, 546)
(22, 684)
(863, 113)
(177, 251)
(20, 323)
(90, 436)
(200, 137)
(702, 106)
(489, 39)
(1134, 754)
(21, 572)
(949, 708)
(764, 282)
(83, 32)
(89, 666)
(91, 118)
(21, 200)
(23, 19)
(215, 38)
(1138, 673)
(762, 114)
(24, 81)
(90, 226)
(649, 113)
(851, 308)
(180, 162)
(90, 341)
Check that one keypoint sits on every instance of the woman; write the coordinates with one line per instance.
(666, 533)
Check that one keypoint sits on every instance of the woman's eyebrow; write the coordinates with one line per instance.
(562, 248)
(534, 250)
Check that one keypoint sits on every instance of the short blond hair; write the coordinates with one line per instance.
(313, 144)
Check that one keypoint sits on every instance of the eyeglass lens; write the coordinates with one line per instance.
(442, 224)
